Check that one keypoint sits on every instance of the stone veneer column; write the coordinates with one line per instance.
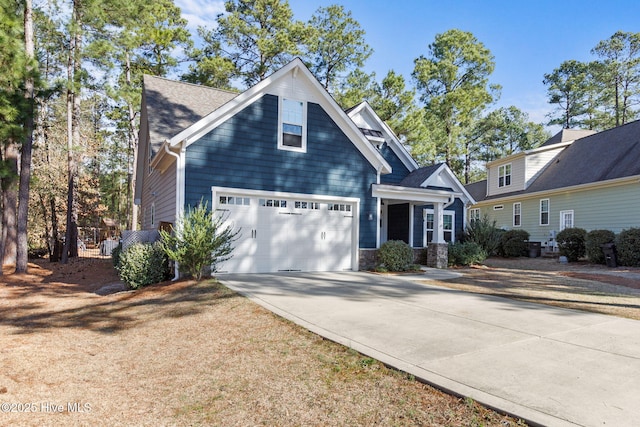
(437, 255)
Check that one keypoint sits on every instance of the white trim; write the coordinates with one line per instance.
(411, 224)
(453, 181)
(396, 146)
(504, 177)
(395, 192)
(281, 146)
(355, 233)
(562, 215)
(331, 107)
(580, 187)
(444, 212)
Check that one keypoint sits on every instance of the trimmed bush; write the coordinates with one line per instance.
(628, 247)
(395, 255)
(143, 264)
(571, 243)
(514, 243)
(485, 233)
(466, 253)
(593, 244)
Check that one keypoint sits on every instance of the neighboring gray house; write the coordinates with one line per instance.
(310, 186)
(575, 179)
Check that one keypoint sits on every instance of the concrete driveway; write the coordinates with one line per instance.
(549, 366)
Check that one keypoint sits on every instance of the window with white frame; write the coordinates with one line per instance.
(474, 215)
(448, 221)
(566, 219)
(292, 125)
(544, 211)
(504, 175)
(517, 214)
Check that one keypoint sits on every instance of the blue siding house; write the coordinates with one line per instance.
(309, 186)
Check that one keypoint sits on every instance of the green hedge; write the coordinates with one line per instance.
(143, 264)
(466, 253)
(628, 247)
(571, 243)
(593, 244)
(395, 255)
(514, 243)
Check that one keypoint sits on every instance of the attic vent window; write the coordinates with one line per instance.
(372, 132)
(292, 126)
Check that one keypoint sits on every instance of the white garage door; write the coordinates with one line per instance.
(287, 233)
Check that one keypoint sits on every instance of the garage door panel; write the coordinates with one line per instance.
(289, 234)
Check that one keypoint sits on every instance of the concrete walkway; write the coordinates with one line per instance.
(549, 366)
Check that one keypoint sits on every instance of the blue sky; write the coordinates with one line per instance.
(527, 38)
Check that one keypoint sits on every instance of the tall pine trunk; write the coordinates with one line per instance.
(73, 133)
(25, 158)
(10, 206)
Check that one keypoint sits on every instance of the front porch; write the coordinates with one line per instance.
(419, 217)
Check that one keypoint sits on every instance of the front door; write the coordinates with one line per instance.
(398, 223)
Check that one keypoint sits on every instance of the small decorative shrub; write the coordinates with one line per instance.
(199, 241)
(143, 264)
(395, 255)
(485, 233)
(628, 247)
(514, 243)
(593, 244)
(466, 253)
(571, 243)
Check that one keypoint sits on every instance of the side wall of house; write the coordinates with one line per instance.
(242, 153)
(612, 208)
(537, 162)
(159, 191)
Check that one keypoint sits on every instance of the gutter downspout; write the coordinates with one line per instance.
(176, 269)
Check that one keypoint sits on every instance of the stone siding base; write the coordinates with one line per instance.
(438, 255)
(368, 259)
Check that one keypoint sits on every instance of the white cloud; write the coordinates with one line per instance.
(200, 12)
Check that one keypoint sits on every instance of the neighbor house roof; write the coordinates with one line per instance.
(566, 135)
(173, 106)
(604, 156)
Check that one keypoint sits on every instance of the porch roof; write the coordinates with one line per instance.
(413, 194)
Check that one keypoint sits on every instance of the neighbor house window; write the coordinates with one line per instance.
(292, 126)
(566, 219)
(504, 175)
(544, 212)
(517, 214)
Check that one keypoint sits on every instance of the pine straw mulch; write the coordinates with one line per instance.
(188, 353)
(580, 285)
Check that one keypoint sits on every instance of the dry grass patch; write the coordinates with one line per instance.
(579, 286)
(190, 354)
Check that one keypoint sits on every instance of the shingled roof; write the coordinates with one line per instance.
(604, 156)
(418, 176)
(566, 135)
(611, 154)
(174, 106)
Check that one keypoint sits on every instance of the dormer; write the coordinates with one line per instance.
(382, 137)
(518, 171)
